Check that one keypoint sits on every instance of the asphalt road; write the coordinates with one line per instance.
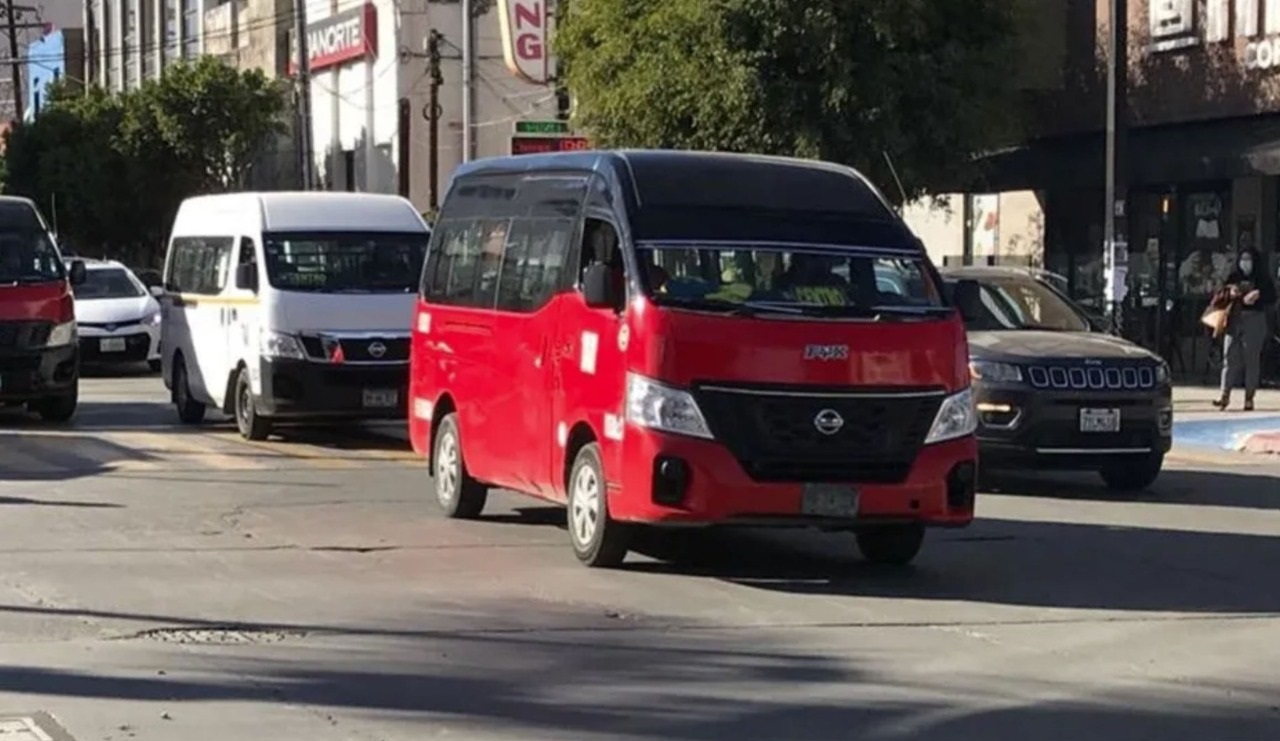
(164, 583)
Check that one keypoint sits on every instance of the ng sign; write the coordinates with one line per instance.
(524, 39)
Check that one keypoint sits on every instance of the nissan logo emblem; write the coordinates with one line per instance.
(377, 349)
(828, 421)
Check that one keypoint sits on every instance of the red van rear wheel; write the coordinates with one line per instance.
(597, 539)
(459, 495)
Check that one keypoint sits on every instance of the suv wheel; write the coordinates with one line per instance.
(894, 545)
(252, 426)
(1133, 475)
(58, 409)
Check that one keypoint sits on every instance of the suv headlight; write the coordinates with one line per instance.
(280, 345)
(984, 370)
(1163, 374)
(152, 318)
(62, 335)
(660, 407)
(955, 418)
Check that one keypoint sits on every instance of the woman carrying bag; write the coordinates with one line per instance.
(1238, 313)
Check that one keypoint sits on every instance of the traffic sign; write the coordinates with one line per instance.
(542, 127)
(548, 144)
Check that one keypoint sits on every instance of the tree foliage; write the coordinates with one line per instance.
(926, 81)
(113, 168)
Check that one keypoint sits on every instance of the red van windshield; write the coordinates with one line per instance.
(28, 256)
(802, 280)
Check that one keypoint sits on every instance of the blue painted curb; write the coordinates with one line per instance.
(1221, 434)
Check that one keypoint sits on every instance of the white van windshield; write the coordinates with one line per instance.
(345, 262)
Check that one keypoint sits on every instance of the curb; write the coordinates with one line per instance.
(1264, 443)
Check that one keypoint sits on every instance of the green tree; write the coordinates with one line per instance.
(213, 118)
(116, 166)
(926, 81)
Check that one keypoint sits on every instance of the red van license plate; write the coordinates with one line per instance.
(829, 500)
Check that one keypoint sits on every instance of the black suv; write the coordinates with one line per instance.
(1052, 390)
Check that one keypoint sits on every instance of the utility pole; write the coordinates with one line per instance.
(468, 83)
(434, 57)
(304, 94)
(12, 23)
(1115, 223)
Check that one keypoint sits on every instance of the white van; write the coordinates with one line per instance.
(291, 307)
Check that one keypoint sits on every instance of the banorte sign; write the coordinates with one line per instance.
(1174, 25)
(524, 39)
(341, 38)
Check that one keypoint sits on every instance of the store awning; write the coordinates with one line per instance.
(1211, 150)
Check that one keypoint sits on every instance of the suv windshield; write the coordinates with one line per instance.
(108, 283)
(28, 256)
(345, 262)
(829, 282)
(1022, 302)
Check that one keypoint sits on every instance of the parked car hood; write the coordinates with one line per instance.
(115, 310)
(1026, 344)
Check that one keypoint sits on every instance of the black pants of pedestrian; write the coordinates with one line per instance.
(1242, 353)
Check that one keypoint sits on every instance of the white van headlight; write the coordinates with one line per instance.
(955, 418)
(280, 345)
(660, 407)
(62, 335)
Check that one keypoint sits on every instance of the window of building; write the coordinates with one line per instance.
(130, 47)
(170, 31)
(190, 29)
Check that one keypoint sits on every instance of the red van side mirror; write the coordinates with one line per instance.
(598, 288)
(77, 273)
(967, 296)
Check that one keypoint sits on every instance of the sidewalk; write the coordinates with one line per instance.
(1198, 425)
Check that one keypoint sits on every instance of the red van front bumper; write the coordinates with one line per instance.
(671, 479)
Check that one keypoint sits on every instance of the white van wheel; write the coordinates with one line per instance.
(190, 411)
(459, 495)
(252, 426)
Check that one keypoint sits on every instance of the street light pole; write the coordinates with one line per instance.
(303, 63)
(468, 83)
(1115, 223)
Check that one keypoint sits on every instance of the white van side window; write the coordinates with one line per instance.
(200, 265)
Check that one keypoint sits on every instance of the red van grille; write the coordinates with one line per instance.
(775, 434)
(24, 335)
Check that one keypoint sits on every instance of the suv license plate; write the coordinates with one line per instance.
(381, 398)
(111, 344)
(1099, 420)
(829, 500)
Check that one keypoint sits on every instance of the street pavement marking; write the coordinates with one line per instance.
(187, 450)
(29, 453)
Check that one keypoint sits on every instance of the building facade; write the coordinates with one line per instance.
(1203, 163)
(58, 56)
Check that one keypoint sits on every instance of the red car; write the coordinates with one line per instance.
(668, 338)
(39, 355)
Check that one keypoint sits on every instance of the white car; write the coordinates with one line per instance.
(117, 317)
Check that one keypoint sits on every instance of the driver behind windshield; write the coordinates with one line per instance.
(811, 279)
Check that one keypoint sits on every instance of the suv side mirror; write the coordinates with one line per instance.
(967, 297)
(598, 287)
(78, 273)
(156, 291)
(247, 276)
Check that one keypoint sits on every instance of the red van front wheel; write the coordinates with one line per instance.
(598, 540)
(459, 495)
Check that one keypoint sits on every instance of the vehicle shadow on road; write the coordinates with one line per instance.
(41, 456)
(1175, 486)
(6, 501)
(674, 685)
(997, 561)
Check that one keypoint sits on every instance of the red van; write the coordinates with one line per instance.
(675, 338)
(39, 354)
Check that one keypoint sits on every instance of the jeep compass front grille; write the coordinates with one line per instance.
(1109, 377)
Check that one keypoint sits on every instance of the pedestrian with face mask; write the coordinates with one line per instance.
(1252, 294)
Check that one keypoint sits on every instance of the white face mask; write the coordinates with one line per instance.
(1246, 266)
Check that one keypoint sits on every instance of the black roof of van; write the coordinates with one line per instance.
(680, 195)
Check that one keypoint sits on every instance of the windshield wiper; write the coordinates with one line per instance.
(734, 308)
(29, 279)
